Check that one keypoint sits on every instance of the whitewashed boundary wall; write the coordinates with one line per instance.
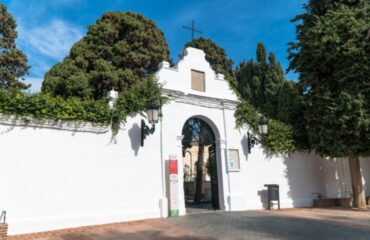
(57, 178)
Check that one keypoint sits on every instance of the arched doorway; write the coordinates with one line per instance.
(200, 166)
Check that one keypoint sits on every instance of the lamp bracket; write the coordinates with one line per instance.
(146, 131)
(252, 140)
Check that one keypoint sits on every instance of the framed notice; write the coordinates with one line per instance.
(233, 163)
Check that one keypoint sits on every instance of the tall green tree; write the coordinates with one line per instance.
(260, 82)
(332, 57)
(263, 85)
(216, 56)
(13, 62)
(121, 49)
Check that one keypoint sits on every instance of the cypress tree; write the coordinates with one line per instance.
(13, 62)
(332, 57)
(260, 82)
(121, 49)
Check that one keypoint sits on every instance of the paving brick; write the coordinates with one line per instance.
(264, 225)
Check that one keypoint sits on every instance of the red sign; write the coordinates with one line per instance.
(173, 166)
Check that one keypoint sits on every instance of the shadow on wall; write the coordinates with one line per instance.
(135, 135)
(307, 174)
(304, 176)
(244, 143)
(263, 197)
(365, 165)
(336, 178)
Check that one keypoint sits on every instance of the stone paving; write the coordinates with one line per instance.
(155, 229)
(297, 224)
(264, 225)
(340, 216)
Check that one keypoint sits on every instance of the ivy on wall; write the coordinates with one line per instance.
(45, 106)
(279, 139)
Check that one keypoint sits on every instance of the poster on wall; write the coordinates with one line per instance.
(233, 160)
(174, 179)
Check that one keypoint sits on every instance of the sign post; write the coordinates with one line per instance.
(174, 179)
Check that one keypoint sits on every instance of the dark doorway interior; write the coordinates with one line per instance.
(200, 166)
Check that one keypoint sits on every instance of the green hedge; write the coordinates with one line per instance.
(45, 106)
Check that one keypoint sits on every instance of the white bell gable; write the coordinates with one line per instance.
(178, 78)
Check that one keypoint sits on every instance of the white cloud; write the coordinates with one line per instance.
(53, 40)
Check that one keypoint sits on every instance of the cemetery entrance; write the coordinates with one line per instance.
(200, 166)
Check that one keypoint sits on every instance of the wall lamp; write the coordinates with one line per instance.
(152, 112)
(262, 129)
(113, 98)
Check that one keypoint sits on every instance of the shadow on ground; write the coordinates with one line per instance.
(262, 225)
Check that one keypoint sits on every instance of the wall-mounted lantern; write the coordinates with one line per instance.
(152, 112)
(262, 129)
(113, 97)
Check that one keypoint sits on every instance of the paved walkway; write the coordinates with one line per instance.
(279, 225)
(155, 229)
(297, 224)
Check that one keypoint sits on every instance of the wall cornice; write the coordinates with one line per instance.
(197, 100)
(14, 121)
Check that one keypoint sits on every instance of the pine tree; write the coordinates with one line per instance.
(121, 49)
(332, 57)
(13, 62)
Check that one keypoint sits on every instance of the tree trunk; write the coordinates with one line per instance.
(199, 177)
(358, 190)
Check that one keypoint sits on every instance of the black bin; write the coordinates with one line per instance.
(272, 195)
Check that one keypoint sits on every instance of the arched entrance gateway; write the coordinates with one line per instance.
(200, 178)
(198, 132)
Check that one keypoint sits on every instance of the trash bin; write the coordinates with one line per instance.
(272, 195)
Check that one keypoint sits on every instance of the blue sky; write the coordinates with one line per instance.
(48, 28)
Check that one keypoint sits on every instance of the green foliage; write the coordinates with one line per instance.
(45, 106)
(261, 82)
(120, 50)
(290, 110)
(216, 56)
(135, 100)
(263, 88)
(13, 62)
(332, 57)
(279, 140)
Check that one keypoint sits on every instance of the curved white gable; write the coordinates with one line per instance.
(179, 77)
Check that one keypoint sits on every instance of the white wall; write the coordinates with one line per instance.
(55, 178)
(337, 180)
